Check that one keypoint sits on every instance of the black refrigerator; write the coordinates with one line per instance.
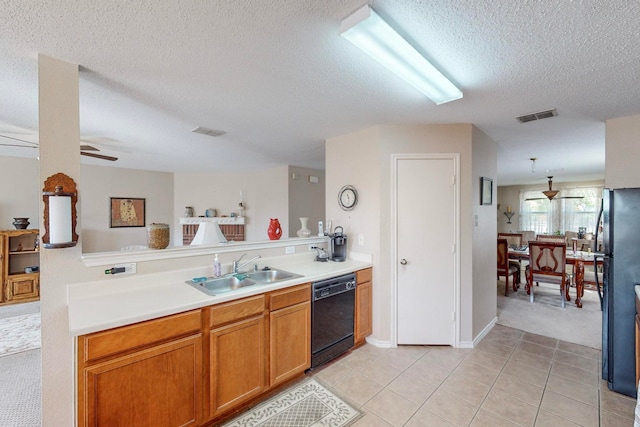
(621, 247)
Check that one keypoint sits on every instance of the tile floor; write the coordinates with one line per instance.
(512, 378)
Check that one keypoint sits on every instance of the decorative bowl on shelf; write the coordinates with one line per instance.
(21, 223)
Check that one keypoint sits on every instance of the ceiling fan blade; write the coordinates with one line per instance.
(33, 144)
(571, 197)
(86, 147)
(17, 145)
(99, 156)
(535, 198)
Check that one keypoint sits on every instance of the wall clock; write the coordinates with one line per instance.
(348, 197)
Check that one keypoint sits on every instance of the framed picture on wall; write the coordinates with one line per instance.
(486, 191)
(127, 212)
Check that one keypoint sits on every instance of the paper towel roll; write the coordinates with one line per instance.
(59, 219)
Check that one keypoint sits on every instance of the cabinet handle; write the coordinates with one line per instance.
(403, 261)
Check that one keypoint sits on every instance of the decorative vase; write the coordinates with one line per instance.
(21, 223)
(274, 231)
(304, 230)
(158, 235)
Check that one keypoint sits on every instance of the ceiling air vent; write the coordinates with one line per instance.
(210, 132)
(537, 116)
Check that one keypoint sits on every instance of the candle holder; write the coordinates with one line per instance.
(60, 218)
(509, 215)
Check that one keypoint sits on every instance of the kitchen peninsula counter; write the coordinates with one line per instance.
(119, 301)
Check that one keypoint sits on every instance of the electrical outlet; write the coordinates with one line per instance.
(290, 250)
(361, 239)
(311, 246)
(129, 268)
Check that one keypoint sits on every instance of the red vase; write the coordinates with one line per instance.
(274, 231)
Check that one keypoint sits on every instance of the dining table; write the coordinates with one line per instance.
(577, 259)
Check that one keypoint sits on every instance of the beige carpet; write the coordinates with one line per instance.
(305, 404)
(20, 388)
(545, 316)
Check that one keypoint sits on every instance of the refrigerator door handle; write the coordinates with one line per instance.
(595, 249)
(595, 273)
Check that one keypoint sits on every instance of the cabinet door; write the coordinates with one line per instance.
(160, 386)
(290, 342)
(237, 363)
(22, 287)
(363, 326)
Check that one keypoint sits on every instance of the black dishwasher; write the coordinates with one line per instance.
(332, 318)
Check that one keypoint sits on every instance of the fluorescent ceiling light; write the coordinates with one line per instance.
(369, 32)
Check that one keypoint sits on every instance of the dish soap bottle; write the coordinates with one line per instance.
(217, 268)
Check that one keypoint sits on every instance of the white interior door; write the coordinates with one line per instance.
(426, 236)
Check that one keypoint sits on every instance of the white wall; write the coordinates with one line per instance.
(305, 199)
(105, 182)
(265, 195)
(622, 151)
(354, 159)
(363, 160)
(484, 303)
(21, 191)
(59, 135)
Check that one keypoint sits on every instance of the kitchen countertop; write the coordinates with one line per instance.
(119, 301)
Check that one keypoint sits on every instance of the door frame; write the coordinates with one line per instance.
(395, 159)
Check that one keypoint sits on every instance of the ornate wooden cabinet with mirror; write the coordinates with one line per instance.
(19, 266)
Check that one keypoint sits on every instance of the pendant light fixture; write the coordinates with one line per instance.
(367, 30)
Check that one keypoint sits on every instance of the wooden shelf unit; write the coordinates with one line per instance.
(18, 250)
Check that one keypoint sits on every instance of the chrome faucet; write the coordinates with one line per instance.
(236, 265)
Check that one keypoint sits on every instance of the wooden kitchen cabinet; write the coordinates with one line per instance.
(289, 333)
(149, 373)
(19, 250)
(364, 302)
(237, 353)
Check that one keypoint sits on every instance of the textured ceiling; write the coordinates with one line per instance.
(276, 76)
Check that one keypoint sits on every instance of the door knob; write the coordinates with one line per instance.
(403, 261)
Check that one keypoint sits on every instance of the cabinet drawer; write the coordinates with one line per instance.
(363, 275)
(127, 338)
(22, 286)
(290, 296)
(236, 310)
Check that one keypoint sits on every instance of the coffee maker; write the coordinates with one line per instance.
(338, 245)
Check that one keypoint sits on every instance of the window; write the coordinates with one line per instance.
(535, 215)
(580, 212)
(560, 215)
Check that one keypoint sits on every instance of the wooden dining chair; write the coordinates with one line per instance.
(548, 264)
(551, 238)
(515, 241)
(505, 268)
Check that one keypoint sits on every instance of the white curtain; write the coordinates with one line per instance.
(560, 215)
(580, 212)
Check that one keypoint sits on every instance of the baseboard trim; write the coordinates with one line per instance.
(381, 344)
(484, 332)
